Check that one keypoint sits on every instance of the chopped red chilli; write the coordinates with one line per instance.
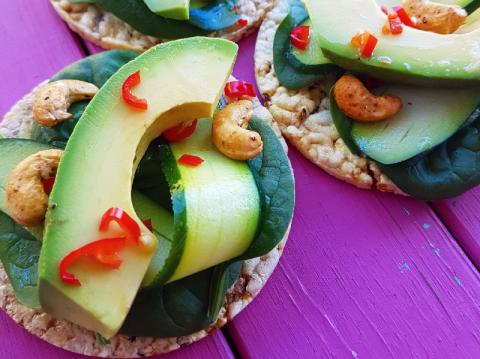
(242, 22)
(129, 226)
(103, 251)
(127, 95)
(190, 160)
(236, 90)
(403, 16)
(299, 37)
(180, 132)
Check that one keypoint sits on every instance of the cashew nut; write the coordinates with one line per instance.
(53, 100)
(230, 134)
(435, 17)
(27, 201)
(358, 103)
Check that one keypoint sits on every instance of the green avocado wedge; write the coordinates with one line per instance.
(105, 147)
(171, 9)
(416, 57)
(429, 116)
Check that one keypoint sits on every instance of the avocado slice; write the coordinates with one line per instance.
(171, 9)
(181, 80)
(429, 117)
(416, 57)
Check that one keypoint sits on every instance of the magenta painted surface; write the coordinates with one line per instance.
(462, 216)
(364, 274)
(35, 43)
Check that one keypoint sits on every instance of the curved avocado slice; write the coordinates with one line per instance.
(170, 9)
(429, 117)
(181, 80)
(417, 57)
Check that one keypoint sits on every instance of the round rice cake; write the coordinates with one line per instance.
(18, 123)
(106, 30)
(304, 117)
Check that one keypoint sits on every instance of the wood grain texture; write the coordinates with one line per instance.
(365, 275)
(461, 215)
(35, 43)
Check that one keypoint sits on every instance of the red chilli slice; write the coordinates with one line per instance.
(190, 160)
(404, 17)
(242, 22)
(236, 90)
(180, 132)
(300, 36)
(127, 95)
(370, 45)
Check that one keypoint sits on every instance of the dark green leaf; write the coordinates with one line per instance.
(273, 175)
(19, 253)
(289, 76)
(343, 124)
(139, 16)
(176, 309)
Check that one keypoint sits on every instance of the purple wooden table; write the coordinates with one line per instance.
(364, 275)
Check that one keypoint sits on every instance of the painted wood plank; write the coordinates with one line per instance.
(461, 215)
(22, 345)
(35, 43)
(365, 275)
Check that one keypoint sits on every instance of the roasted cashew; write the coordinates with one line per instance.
(358, 103)
(230, 134)
(53, 100)
(27, 201)
(435, 17)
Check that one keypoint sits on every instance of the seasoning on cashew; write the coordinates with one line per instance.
(435, 17)
(53, 100)
(27, 201)
(230, 134)
(358, 103)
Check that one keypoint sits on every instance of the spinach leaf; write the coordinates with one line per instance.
(96, 69)
(137, 14)
(19, 253)
(343, 124)
(287, 75)
(176, 309)
(273, 175)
